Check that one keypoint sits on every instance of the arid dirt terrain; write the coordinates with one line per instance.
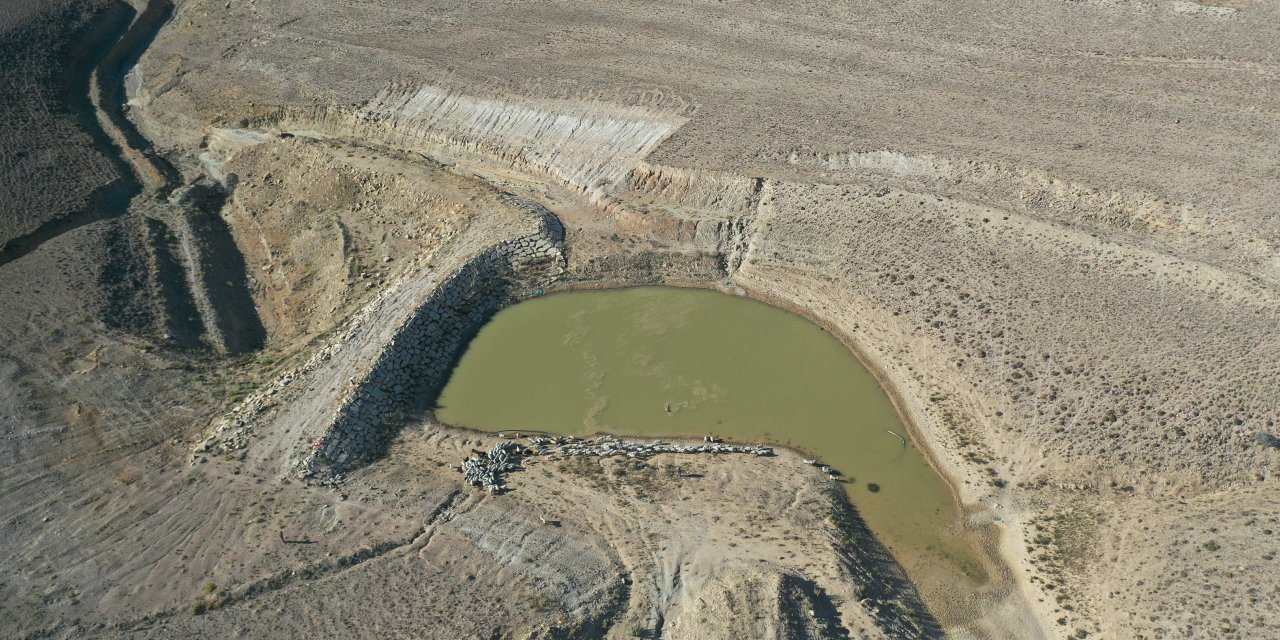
(243, 242)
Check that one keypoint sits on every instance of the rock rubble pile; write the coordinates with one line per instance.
(486, 470)
(559, 447)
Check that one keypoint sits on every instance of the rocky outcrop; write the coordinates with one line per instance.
(588, 146)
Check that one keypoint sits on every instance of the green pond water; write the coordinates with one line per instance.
(661, 361)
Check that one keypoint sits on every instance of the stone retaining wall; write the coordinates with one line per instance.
(414, 365)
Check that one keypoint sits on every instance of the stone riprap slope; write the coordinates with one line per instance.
(417, 361)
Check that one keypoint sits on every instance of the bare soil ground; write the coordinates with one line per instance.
(56, 167)
(1049, 226)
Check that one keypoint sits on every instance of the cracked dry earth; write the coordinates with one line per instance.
(242, 239)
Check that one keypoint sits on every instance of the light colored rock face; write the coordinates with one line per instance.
(591, 147)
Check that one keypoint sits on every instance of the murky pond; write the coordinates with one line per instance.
(665, 361)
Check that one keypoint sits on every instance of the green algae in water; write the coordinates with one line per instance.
(661, 361)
